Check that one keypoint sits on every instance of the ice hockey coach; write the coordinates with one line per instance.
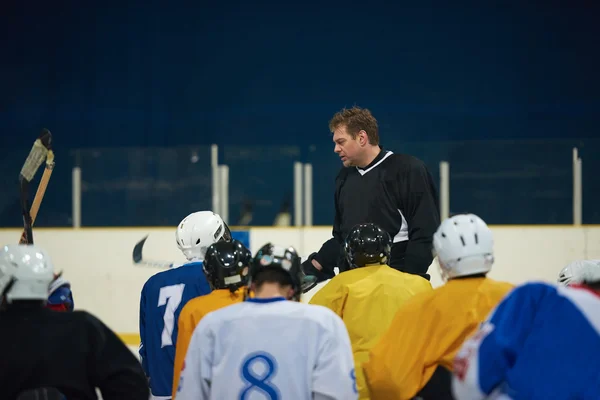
(394, 191)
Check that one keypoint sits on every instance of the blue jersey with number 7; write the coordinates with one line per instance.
(162, 299)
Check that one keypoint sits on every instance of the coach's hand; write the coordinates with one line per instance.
(316, 264)
(314, 268)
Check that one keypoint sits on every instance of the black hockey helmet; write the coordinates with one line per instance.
(286, 259)
(367, 244)
(227, 265)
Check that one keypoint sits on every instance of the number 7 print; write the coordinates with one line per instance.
(171, 296)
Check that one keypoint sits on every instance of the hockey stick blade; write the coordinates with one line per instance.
(137, 250)
(139, 259)
(37, 155)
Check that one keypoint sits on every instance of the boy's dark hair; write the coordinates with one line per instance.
(272, 275)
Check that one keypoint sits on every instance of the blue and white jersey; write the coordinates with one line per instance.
(269, 349)
(542, 342)
(162, 299)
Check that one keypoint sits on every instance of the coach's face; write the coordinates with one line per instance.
(349, 149)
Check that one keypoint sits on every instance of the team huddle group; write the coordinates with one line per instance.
(230, 325)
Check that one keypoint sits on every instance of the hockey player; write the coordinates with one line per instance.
(368, 295)
(61, 297)
(227, 268)
(268, 347)
(541, 342)
(68, 352)
(414, 357)
(166, 293)
(573, 273)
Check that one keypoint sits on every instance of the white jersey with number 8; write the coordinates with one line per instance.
(269, 349)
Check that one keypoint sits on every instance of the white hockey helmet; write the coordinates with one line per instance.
(198, 231)
(26, 273)
(579, 271)
(464, 245)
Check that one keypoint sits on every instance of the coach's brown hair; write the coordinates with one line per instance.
(356, 119)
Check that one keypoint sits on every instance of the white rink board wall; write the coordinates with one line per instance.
(98, 262)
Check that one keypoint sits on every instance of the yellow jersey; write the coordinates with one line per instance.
(190, 317)
(428, 331)
(367, 299)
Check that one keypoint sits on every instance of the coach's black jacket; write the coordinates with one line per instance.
(396, 192)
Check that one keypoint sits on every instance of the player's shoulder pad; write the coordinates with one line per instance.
(196, 304)
(87, 317)
(329, 288)
(209, 319)
(162, 275)
(420, 281)
(433, 299)
(428, 298)
(149, 283)
(226, 313)
(534, 290)
(81, 320)
(349, 275)
(535, 287)
(323, 316)
(152, 278)
(215, 319)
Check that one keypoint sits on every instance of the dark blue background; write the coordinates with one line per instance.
(501, 90)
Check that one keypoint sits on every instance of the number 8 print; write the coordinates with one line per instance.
(256, 382)
(353, 377)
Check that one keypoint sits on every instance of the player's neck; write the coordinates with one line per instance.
(270, 290)
(371, 154)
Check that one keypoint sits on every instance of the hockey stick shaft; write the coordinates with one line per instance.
(156, 264)
(41, 190)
